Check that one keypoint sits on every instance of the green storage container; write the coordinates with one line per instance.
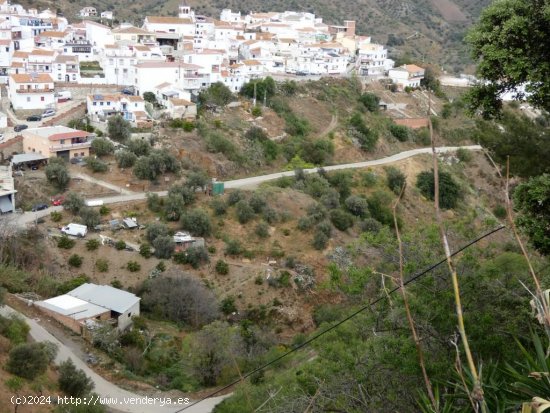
(218, 188)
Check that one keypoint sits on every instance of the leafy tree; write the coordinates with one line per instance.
(194, 256)
(264, 87)
(262, 230)
(222, 267)
(341, 219)
(139, 147)
(317, 151)
(125, 158)
(244, 211)
(449, 190)
(158, 162)
(181, 298)
(155, 230)
(219, 206)
(118, 129)
(379, 207)
(150, 97)
(235, 196)
(57, 174)
(216, 94)
(197, 180)
(357, 205)
(233, 247)
(90, 217)
(532, 200)
(431, 82)
(75, 260)
(255, 133)
(102, 147)
(28, 360)
(370, 101)
(154, 202)
(400, 132)
(359, 130)
(73, 381)
(164, 246)
(320, 240)
(510, 44)
(197, 222)
(73, 202)
(396, 179)
(96, 165)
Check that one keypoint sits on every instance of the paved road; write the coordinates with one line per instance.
(104, 388)
(249, 183)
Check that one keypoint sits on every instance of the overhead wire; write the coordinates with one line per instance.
(342, 321)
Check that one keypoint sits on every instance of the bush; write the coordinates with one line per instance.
(90, 217)
(341, 219)
(72, 381)
(320, 240)
(120, 245)
(256, 111)
(400, 132)
(118, 129)
(194, 256)
(72, 284)
(396, 179)
(75, 260)
(257, 202)
(104, 210)
(449, 190)
(233, 247)
(73, 202)
(102, 147)
(370, 225)
(359, 130)
(133, 266)
(28, 360)
(139, 147)
(102, 265)
(222, 267)
(255, 133)
(158, 162)
(125, 158)
(379, 207)
(56, 216)
(244, 211)
(370, 101)
(219, 206)
(155, 230)
(227, 306)
(270, 215)
(15, 329)
(96, 165)
(92, 244)
(235, 196)
(164, 246)
(464, 155)
(357, 205)
(197, 222)
(150, 97)
(57, 174)
(145, 250)
(65, 242)
(216, 94)
(499, 211)
(262, 230)
(325, 228)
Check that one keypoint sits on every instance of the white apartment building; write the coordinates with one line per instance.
(371, 60)
(31, 92)
(189, 77)
(407, 76)
(100, 107)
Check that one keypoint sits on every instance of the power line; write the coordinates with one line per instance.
(339, 323)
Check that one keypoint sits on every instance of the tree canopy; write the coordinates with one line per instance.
(512, 47)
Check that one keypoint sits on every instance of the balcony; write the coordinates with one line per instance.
(33, 91)
(67, 146)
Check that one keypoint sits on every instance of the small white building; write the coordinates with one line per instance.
(31, 92)
(181, 108)
(406, 76)
(92, 302)
(371, 60)
(88, 12)
(107, 15)
(7, 190)
(101, 107)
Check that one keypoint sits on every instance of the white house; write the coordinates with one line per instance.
(371, 60)
(101, 107)
(185, 76)
(30, 92)
(98, 35)
(406, 76)
(66, 69)
(168, 24)
(166, 91)
(91, 302)
(88, 12)
(107, 15)
(181, 108)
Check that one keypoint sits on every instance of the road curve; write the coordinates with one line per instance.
(248, 183)
(106, 389)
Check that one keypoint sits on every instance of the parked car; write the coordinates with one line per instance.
(48, 112)
(19, 128)
(39, 207)
(127, 91)
(34, 118)
(58, 200)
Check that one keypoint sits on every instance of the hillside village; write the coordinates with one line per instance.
(183, 202)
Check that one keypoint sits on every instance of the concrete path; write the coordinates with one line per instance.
(21, 220)
(118, 399)
(104, 184)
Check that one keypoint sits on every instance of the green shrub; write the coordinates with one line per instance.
(222, 267)
(449, 190)
(194, 256)
(92, 244)
(197, 222)
(259, 280)
(145, 250)
(72, 381)
(104, 210)
(125, 158)
(262, 230)
(102, 265)
(95, 165)
(256, 111)
(75, 260)
(400, 132)
(499, 211)
(72, 284)
(342, 220)
(120, 245)
(56, 216)
(357, 205)
(133, 266)
(464, 155)
(370, 101)
(65, 242)
(320, 240)
(233, 247)
(235, 196)
(28, 360)
(244, 211)
(102, 147)
(227, 306)
(164, 246)
(380, 207)
(396, 179)
(370, 225)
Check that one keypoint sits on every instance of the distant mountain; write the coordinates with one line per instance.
(426, 30)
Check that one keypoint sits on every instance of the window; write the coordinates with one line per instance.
(41, 98)
(81, 153)
(130, 314)
(62, 142)
(28, 98)
(95, 103)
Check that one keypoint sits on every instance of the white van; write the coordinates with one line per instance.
(76, 230)
(63, 95)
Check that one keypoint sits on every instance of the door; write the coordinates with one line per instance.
(67, 78)
(64, 154)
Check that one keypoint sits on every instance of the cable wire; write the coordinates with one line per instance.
(339, 323)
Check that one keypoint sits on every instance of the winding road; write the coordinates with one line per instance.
(21, 220)
(119, 400)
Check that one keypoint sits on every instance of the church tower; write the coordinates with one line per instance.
(185, 12)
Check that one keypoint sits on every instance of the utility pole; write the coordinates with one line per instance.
(254, 101)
